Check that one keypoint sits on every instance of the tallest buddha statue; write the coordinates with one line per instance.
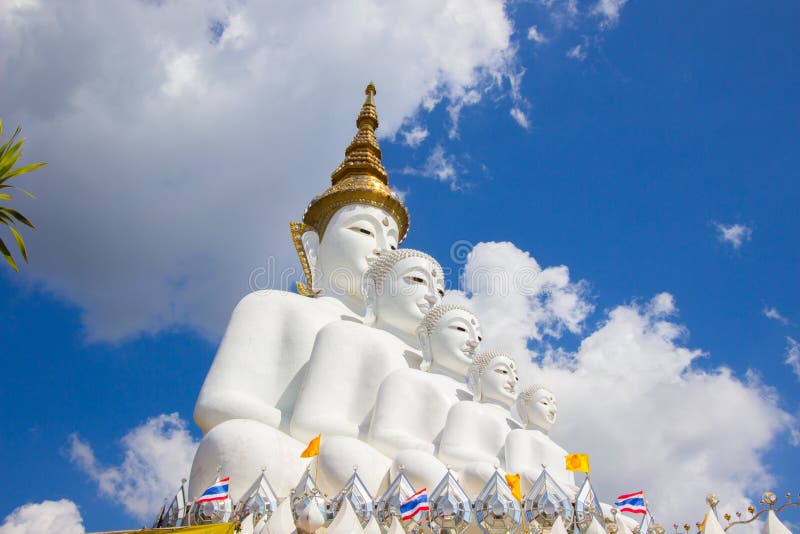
(249, 393)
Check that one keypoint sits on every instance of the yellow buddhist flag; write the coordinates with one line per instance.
(513, 483)
(702, 525)
(312, 449)
(577, 462)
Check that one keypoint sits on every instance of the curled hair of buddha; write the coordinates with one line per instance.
(380, 267)
(478, 367)
(524, 397)
(436, 313)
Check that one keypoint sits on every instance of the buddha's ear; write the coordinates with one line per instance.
(370, 301)
(425, 346)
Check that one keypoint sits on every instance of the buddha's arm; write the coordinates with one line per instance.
(394, 416)
(461, 434)
(234, 386)
(329, 384)
(519, 453)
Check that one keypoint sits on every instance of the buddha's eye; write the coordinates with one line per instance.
(417, 279)
(361, 230)
(459, 328)
(501, 371)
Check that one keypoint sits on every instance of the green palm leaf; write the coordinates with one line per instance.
(10, 153)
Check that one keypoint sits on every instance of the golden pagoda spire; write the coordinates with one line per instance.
(359, 179)
(363, 156)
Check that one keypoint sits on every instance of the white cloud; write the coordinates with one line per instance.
(609, 10)
(47, 516)
(519, 116)
(734, 234)
(535, 35)
(793, 356)
(536, 302)
(630, 395)
(772, 313)
(415, 136)
(440, 166)
(178, 155)
(577, 52)
(157, 455)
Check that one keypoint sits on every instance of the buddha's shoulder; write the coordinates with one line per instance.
(275, 301)
(403, 377)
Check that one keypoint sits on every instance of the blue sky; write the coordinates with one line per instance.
(671, 121)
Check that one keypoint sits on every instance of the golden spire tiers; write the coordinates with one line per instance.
(360, 178)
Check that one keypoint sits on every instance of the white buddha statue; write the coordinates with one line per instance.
(528, 449)
(251, 387)
(350, 360)
(412, 404)
(475, 432)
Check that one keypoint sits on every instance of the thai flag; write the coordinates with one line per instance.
(632, 502)
(217, 492)
(414, 505)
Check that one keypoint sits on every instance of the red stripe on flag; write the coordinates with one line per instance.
(633, 511)
(629, 495)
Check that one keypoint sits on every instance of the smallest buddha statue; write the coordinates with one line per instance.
(475, 432)
(530, 448)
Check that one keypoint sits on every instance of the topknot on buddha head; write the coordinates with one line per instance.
(400, 287)
(433, 317)
(537, 408)
(493, 377)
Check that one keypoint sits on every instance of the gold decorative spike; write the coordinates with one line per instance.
(360, 178)
(298, 229)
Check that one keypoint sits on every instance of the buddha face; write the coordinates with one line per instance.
(541, 410)
(499, 381)
(355, 234)
(454, 340)
(412, 286)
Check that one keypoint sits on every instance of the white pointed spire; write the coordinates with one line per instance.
(622, 527)
(712, 523)
(396, 528)
(595, 527)
(372, 527)
(558, 526)
(773, 525)
(282, 520)
(345, 522)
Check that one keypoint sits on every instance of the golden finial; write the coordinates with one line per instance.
(370, 92)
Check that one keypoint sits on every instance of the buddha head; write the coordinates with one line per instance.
(400, 287)
(449, 336)
(348, 225)
(537, 408)
(493, 378)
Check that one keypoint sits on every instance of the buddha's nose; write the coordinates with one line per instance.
(472, 344)
(431, 298)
